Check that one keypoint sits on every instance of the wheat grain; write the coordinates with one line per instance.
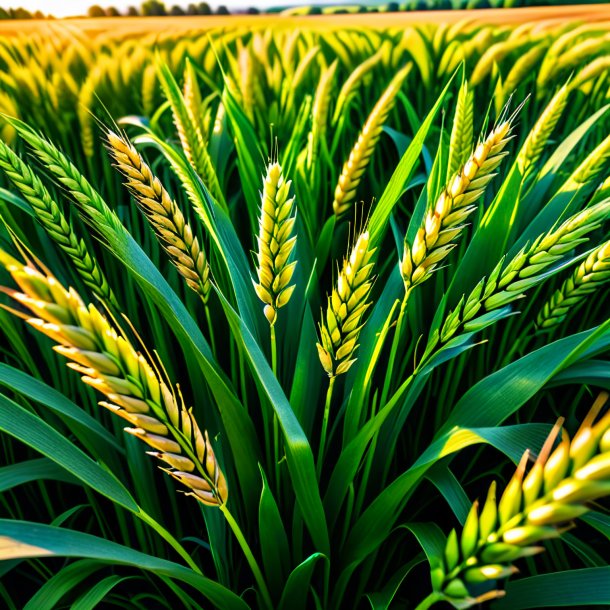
(460, 143)
(319, 113)
(149, 90)
(541, 131)
(509, 281)
(131, 384)
(521, 70)
(191, 137)
(586, 279)
(55, 223)
(597, 67)
(494, 54)
(351, 84)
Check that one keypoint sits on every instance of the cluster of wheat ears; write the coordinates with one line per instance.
(327, 277)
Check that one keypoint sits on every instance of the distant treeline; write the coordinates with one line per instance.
(151, 8)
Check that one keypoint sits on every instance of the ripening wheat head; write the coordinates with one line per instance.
(445, 222)
(558, 488)
(363, 149)
(166, 218)
(131, 383)
(276, 242)
(349, 301)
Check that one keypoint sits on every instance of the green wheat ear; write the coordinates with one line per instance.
(276, 243)
(587, 278)
(347, 305)
(537, 504)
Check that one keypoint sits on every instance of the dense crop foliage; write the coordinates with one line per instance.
(334, 283)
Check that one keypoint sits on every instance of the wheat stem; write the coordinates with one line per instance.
(243, 543)
(325, 419)
(429, 601)
(170, 540)
(389, 376)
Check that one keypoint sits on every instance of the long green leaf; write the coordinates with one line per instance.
(22, 539)
(575, 588)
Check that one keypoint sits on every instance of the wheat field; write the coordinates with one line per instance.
(332, 296)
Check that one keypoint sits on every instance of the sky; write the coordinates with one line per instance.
(65, 8)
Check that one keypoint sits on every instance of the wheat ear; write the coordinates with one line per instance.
(509, 281)
(600, 65)
(189, 130)
(540, 133)
(349, 301)
(445, 222)
(132, 385)
(319, 114)
(363, 149)
(350, 86)
(168, 222)
(460, 143)
(587, 278)
(55, 223)
(276, 242)
(535, 506)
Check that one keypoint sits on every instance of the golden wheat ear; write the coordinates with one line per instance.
(347, 305)
(167, 220)
(446, 220)
(132, 385)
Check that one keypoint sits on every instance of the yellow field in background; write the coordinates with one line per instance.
(122, 25)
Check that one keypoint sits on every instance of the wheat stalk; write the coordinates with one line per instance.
(349, 301)
(168, 222)
(363, 149)
(276, 242)
(131, 383)
(445, 222)
(586, 279)
(55, 223)
(535, 506)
